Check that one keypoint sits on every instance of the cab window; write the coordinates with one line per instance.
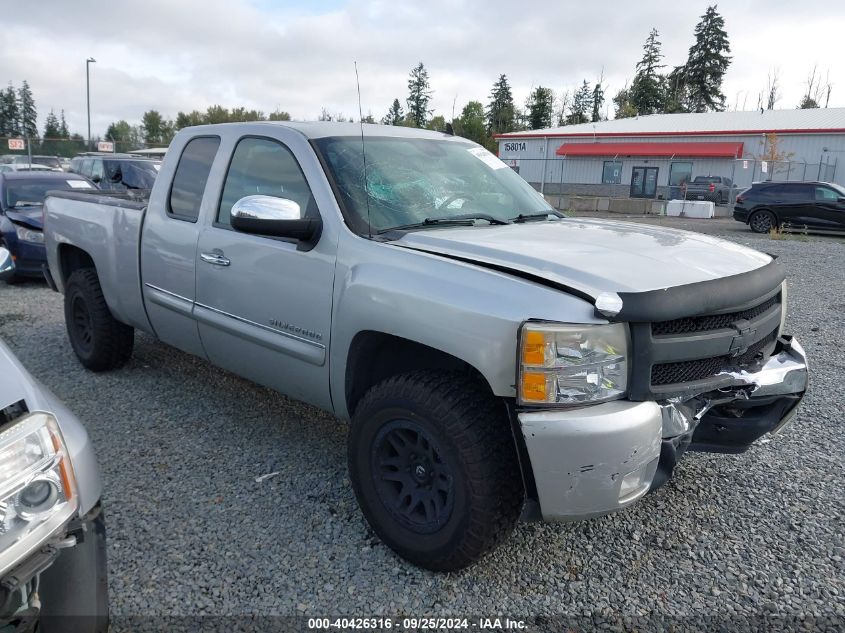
(191, 175)
(263, 167)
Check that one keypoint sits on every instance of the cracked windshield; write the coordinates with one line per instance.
(426, 182)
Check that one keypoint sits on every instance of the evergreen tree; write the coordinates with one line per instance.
(598, 100)
(27, 111)
(675, 92)
(646, 94)
(419, 95)
(395, 116)
(540, 106)
(707, 63)
(500, 112)
(582, 105)
(807, 103)
(9, 117)
(63, 131)
(51, 126)
(50, 141)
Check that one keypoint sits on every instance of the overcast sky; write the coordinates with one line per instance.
(298, 56)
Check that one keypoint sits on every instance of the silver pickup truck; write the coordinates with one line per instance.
(495, 359)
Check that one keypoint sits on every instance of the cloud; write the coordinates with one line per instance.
(188, 55)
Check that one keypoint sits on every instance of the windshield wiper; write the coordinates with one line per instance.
(525, 217)
(464, 219)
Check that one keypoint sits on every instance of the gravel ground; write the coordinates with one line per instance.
(191, 532)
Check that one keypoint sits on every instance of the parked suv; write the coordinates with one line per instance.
(117, 172)
(817, 206)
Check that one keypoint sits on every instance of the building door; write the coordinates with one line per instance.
(644, 182)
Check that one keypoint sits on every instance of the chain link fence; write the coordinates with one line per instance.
(664, 179)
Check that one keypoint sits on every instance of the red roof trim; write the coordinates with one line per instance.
(833, 130)
(698, 149)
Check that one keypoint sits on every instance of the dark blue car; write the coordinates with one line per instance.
(22, 196)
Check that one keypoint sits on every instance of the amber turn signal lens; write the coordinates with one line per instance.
(534, 348)
(534, 387)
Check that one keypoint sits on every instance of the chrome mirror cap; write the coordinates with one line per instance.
(266, 208)
(7, 264)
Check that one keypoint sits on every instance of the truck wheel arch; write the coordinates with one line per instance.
(71, 259)
(375, 356)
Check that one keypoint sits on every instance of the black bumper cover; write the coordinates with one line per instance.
(73, 585)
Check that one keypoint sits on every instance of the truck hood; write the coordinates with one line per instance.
(593, 256)
(33, 217)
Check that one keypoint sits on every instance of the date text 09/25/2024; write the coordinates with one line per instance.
(415, 624)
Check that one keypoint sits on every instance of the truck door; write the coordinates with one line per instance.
(169, 246)
(263, 304)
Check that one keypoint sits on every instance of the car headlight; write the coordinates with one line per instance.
(29, 235)
(572, 364)
(38, 494)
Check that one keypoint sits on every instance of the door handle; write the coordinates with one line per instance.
(215, 257)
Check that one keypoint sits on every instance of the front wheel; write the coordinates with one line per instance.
(434, 467)
(100, 341)
(763, 222)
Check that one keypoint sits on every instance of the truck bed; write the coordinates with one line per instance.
(107, 226)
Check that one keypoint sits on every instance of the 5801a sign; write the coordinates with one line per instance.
(515, 147)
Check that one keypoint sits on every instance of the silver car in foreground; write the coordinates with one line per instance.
(52, 533)
(495, 359)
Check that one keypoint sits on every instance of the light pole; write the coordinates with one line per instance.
(88, 63)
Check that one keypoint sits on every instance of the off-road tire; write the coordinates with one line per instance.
(101, 342)
(759, 225)
(471, 432)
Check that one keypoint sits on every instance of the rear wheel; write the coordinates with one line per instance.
(433, 465)
(763, 222)
(100, 341)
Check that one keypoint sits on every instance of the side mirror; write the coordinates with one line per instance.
(275, 217)
(7, 264)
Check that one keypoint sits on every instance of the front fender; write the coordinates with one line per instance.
(467, 311)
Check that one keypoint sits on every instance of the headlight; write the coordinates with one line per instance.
(29, 235)
(572, 364)
(37, 486)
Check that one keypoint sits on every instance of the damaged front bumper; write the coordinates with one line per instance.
(594, 460)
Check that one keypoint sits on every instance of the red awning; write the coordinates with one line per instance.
(701, 150)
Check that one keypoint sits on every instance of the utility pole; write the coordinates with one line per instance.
(88, 63)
